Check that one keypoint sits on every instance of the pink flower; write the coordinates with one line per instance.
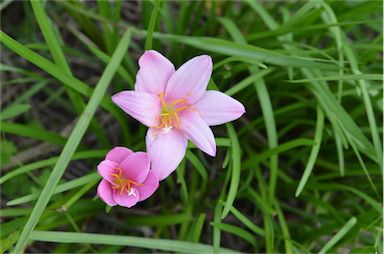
(176, 107)
(126, 177)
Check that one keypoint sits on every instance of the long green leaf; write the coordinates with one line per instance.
(51, 161)
(235, 170)
(151, 26)
(342, 232)
(140, 242)
(230, 48)
(32, 132)
(314, 152)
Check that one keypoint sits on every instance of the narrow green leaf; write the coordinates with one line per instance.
(230, 48)
(378, 77)
(248, 223)
(342, 232)
(151, 26)
(140, 242)
(13, 111)
(236, 231)
(248, 81)
(314, 152)
(32, 132)
(51, 161)
(58, 189)
(235, 170)
(279, 149)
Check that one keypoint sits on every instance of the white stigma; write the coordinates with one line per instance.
(132, 192)
(167, 129)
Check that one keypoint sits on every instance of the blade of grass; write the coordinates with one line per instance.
(334, 186)
(248, 81)
(13, 111)
(32, 132)
(248, 223)
(342, 232)
(245, 235)
(284, 227)
(47, 162)
(74, 140)
(235, 170)
(199, 167)
(198, 228)
(314, 151)
(58, 189)
(141, 242)
(151, 26)
(378, 77)
(105, 11)
(279, 149)
(230, 48)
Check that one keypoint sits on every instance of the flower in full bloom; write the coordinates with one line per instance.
(176, 107)
(127, 178)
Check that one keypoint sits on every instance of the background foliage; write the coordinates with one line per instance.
(300, 172)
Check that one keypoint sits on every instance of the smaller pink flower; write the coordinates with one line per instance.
(127, 178)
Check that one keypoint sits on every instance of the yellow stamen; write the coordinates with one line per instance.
(169, 112)
(123, 184)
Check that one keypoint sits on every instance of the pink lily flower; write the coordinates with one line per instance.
(127, 178)
(176, 107)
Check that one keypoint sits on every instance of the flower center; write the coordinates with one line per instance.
(123, 184)
(169, 113)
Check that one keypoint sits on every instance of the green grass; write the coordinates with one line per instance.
(300, 172)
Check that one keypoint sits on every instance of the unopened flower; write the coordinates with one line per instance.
(176, 107)
(127, 177)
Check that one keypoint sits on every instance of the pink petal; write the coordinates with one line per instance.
(195, 129)
(106, 168)
(144, 107)
(191, 79)
(218, 108)
(118, 154)
(154, 73)
(124, 199)
(166, 150)
(104, 191)
(136, 167)
(150, 185)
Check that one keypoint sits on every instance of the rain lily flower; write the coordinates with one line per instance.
(176, 107)
(127, 178)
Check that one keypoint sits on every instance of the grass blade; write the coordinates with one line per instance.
(342, 232)
(141, 242)
(32, 132)
(314, 152)
(230, 48)
(151, 26)
(235, 171)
